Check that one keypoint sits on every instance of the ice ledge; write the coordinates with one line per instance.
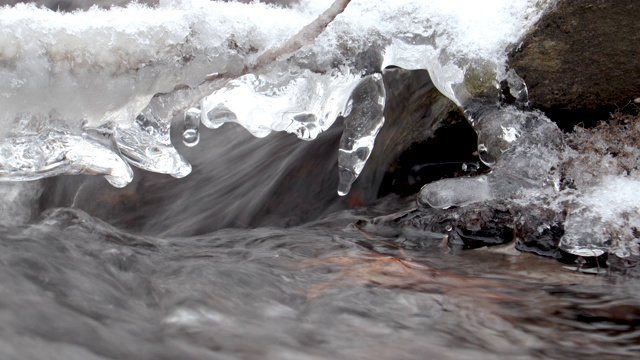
(269, 69)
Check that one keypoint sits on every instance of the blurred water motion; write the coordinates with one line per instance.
(77, 287)
(254, 256)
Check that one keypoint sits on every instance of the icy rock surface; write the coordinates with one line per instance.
(264, 67)
(591, 182)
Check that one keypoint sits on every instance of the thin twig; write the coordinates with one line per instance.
(179, 98)
(306, 36)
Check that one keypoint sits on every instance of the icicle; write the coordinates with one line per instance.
(361, 126)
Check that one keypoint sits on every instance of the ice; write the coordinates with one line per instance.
(517, 87)
(148, 146)
(137, 67)
(532, 166)
(51, 153)
(522, 146)
(264, 67)
(613, 197)
(604, 218)
(191, 132)
(455, 192)
(302, 103)
(363, 119)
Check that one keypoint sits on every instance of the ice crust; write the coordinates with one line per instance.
(133, 69)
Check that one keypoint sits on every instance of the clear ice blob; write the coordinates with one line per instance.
(148, 147)
(217, 116)
(455, 192)
(302, 102)
(191, 132)
(585, 234)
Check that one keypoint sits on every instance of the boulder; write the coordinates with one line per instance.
(582, 60)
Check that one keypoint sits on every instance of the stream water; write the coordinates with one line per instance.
(74, 287)
(264, 260)
(255, 256)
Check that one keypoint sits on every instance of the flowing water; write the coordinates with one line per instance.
(254, 256)
(74, 287)
(263, 260)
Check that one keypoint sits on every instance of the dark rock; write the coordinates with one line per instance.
(476, 225)
(449, 152)
(425, 138)
(582, 60)
(539, 231)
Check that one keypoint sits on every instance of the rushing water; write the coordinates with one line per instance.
(75, 287)
(254, 256)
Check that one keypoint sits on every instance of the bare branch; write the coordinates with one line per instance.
(306, 36)
(175, 101)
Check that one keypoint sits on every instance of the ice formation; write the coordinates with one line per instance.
(94, 92)
(593, 193)
(114, 79)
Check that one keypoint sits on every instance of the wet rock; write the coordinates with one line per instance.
(533, 229)
(476, 225)
(425, 138)
(581, 60)
(540, 221)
